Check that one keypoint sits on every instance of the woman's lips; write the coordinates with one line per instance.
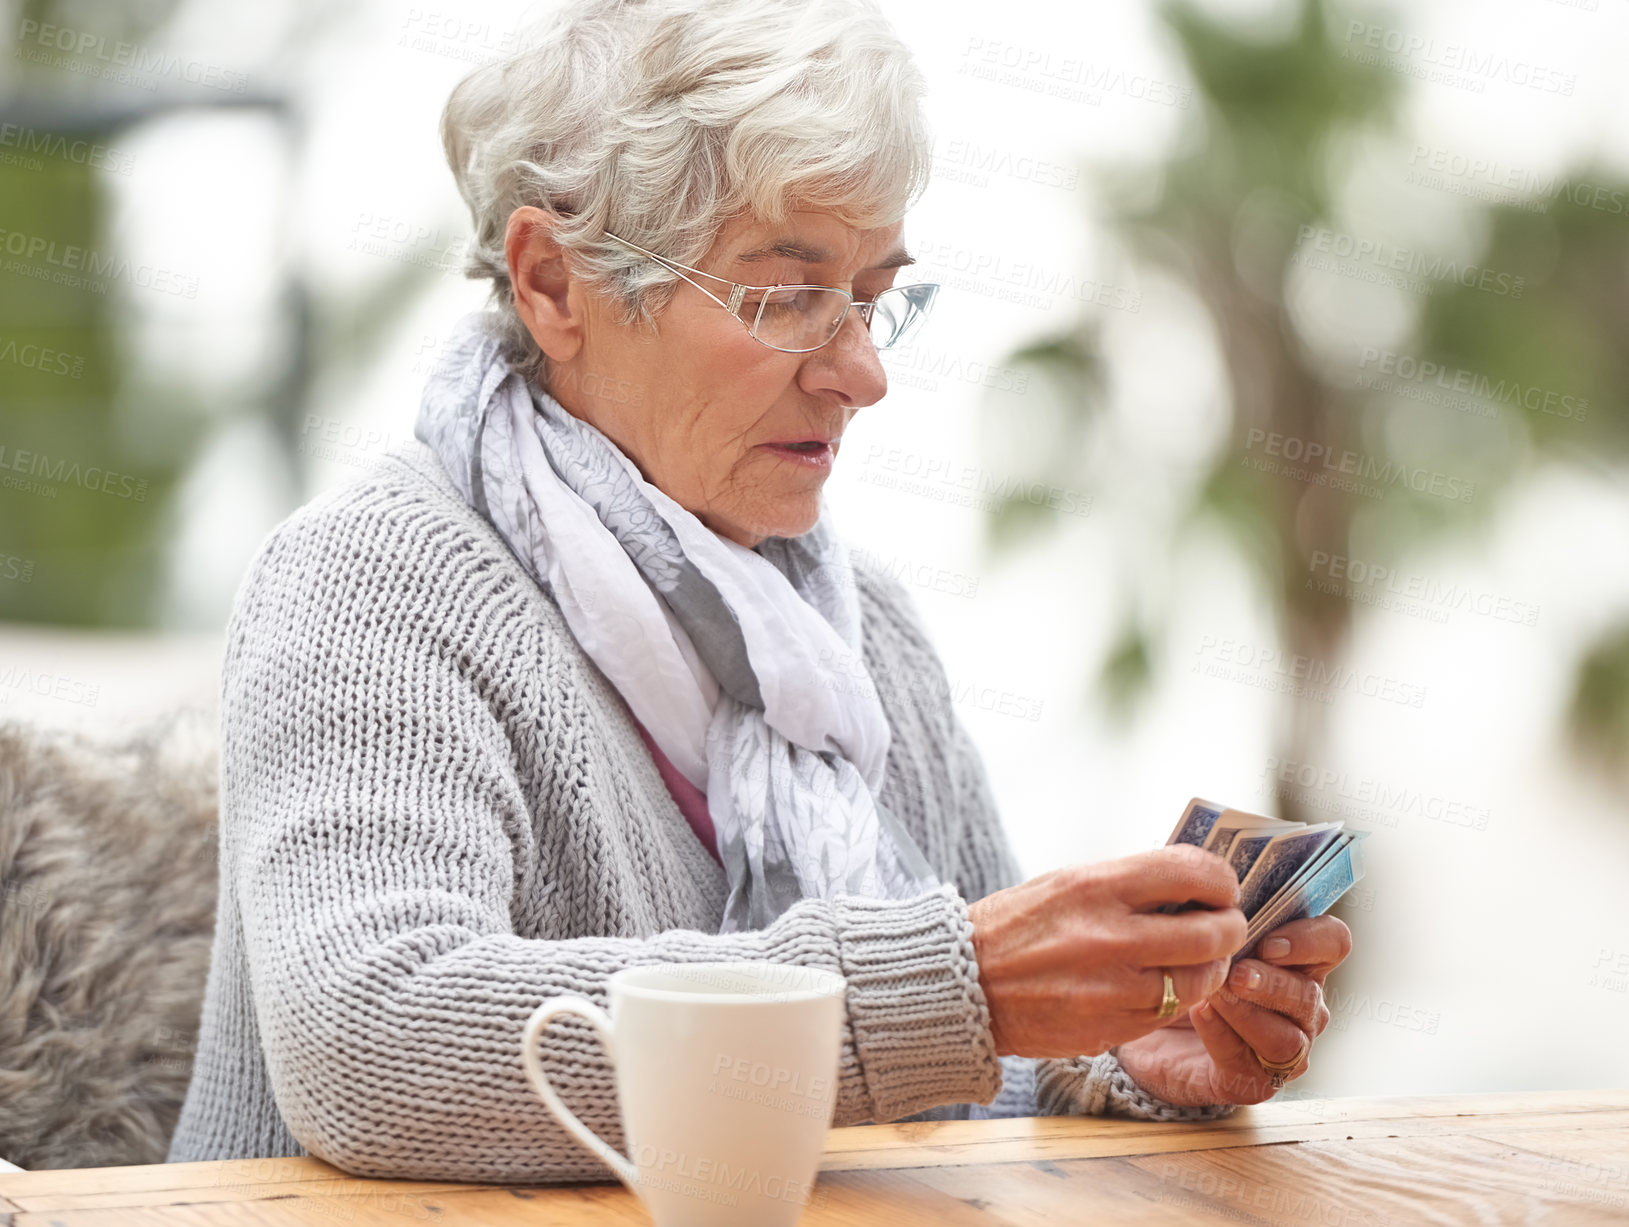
(814, 455)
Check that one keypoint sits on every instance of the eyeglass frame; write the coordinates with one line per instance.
(738, 291)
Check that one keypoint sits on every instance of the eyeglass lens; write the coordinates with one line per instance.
(802, 318)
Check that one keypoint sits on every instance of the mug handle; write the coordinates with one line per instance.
(601, 1022)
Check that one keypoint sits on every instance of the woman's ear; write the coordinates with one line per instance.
(541, 282)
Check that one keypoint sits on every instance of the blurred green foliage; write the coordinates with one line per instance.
(90, 549)
(1259, 162)
(82, 518)
(94, 453)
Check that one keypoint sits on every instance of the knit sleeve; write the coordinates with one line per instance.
(372, 797)
(1095, 1086)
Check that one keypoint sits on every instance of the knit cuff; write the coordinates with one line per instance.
(921, 1024)
(1100, 1086)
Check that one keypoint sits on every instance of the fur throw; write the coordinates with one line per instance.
(107, 912)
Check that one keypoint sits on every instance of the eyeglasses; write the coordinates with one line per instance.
(797, 319)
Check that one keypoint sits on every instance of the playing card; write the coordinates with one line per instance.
(1316, 894)
(1286, 870)
(1234, 822)
(1282, 858)
(1195, 823)
(1247, 846)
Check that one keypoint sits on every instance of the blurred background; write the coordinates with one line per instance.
(1269, 444)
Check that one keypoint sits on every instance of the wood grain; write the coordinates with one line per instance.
(937, 1143)
(383, 1206)
(1549, 1159)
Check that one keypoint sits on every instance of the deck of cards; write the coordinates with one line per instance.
(1287, 870)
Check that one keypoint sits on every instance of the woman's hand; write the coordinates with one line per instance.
(1272, 1008)
(1072, 961)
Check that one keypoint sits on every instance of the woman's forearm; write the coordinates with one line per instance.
(397, 1052)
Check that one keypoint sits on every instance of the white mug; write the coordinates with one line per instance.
(726, 1075)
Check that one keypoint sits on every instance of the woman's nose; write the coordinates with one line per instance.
(848, 366)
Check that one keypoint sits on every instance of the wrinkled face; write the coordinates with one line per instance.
(706, 411)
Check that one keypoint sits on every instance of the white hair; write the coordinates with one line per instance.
(661, 120)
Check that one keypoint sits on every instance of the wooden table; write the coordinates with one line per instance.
(1547, 1158)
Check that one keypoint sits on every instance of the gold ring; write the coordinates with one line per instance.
(1280, 1071)
(1169, 1002)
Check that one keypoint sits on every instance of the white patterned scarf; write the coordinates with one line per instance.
(743, 665)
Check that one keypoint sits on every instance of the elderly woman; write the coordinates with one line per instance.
(582, 680)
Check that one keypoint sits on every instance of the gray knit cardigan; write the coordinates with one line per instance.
(436, 811)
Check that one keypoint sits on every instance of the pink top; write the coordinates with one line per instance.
(691, 800)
